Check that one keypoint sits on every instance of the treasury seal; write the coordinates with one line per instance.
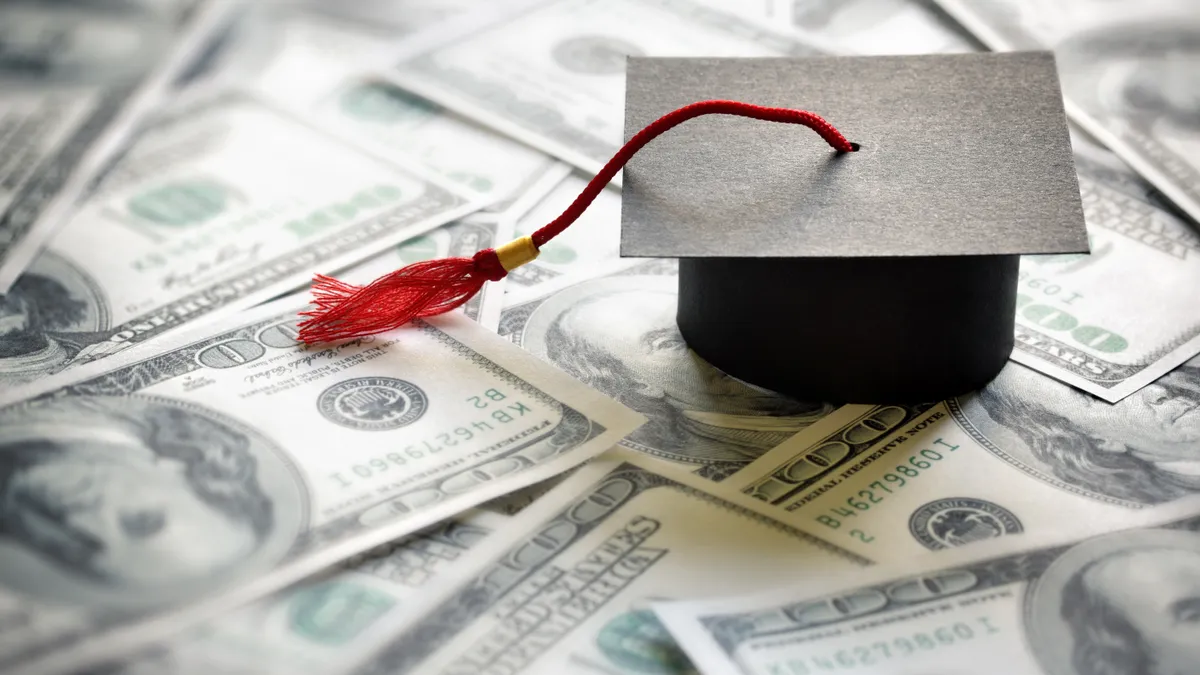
(373, 403)
(947, 523)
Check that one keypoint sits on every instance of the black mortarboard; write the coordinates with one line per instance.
(887, 274)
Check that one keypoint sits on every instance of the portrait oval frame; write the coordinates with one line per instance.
(80, 287)
(32, 575)
(1047, 635)
(973, 417)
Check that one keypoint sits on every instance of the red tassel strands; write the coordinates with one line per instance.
(434, 287)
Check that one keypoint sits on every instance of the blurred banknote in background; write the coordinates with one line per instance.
(880, 26)
(296, 48)
(311, 55)
(222, 203)
(560, 82)
(380, 117)
(76, 78)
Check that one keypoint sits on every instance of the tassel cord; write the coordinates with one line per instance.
(673, 119)
(432, 287)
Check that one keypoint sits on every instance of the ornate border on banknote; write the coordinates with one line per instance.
(501, 102)
(964, 423)
(573, 429)
(479, 594)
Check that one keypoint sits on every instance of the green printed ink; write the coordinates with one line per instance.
(417, 249)
(181, 203)
(637, 641)
(336, 612)
(376, 102)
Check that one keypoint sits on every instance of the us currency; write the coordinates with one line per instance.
(560, 84)
(222, 204)
(1120, 602)
(880, 26)
(182, 479)
(1130, 74)
(571, 586)
(776, 13)
(616, 332)
(1116, 320)
(322, 624)
(1024, 454)
(379, 117)
(297, 48)
(594, 239)
(310, 57)
(461, 238)
(75, 79)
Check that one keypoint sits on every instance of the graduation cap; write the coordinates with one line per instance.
(887, 274)
(880, 268)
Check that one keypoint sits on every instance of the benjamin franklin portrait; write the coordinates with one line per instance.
(618, 334)
(1144, 449)
(1121, 604)
(134, 500)
(51, 305)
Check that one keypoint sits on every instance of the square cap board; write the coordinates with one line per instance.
(964, 154)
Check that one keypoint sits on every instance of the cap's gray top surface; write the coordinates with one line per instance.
(961, 155)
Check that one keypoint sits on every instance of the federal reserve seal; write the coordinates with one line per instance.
(947, 523)
(373, 403)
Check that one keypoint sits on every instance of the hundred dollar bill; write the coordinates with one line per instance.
(1114, 321)
(379, 117)
(160, 488)
(616, 332)
(594, 239)
(298, 48)
(772, 12)
(1130, 74)
(1024, 454)
(1122, 602)
(310, 56)
(461, 238)
(222, 204)
(76, 77)
(322, 624)
(880, 26)
(552, 73)
(569, 591)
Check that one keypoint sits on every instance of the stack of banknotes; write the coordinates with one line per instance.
(547, 480)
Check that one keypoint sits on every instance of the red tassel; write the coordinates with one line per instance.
(425, 288)
(437, 286)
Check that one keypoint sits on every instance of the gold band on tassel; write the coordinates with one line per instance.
(516, 253)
